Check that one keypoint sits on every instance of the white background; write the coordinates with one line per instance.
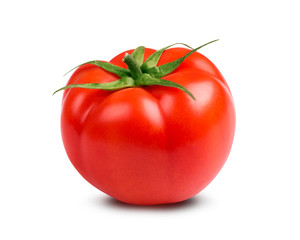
(255, 196)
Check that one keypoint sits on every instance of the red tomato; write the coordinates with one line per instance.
(150, 144)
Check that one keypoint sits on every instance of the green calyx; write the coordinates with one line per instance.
(139, 73)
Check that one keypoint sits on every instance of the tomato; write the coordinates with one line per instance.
(150, 143)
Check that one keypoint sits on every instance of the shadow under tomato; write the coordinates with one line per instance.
(193, 202)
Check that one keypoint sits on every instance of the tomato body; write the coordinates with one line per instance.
(154, 144)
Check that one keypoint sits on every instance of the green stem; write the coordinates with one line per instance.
(133, 66)
(138, 74)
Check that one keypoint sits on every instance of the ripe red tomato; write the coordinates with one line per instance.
(150, 144)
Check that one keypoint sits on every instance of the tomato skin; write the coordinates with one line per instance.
(155, 144)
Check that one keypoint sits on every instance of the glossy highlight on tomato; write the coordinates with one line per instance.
(145, 143)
